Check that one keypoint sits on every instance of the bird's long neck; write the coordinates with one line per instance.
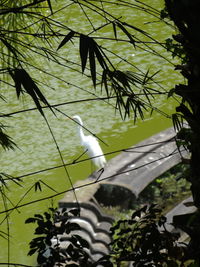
(80, 130)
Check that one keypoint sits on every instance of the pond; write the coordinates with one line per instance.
(37, 157)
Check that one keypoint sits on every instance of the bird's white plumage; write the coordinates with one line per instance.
(91, 145)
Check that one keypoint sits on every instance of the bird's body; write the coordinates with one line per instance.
(91, 145)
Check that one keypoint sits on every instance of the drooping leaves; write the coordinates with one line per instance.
(89, 48)
(127, 33)
(24, 83)
(56, 225)
(6, 141)
(10, 47)
(67, 38)
(83, 49)
(177, 121)
(141, 240)
(4, 177)
(122, 87)
(116, 83)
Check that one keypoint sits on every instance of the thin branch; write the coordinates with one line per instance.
(7, 222)
(17, 9)
(62, 160)
(75, 161)
(87, 184)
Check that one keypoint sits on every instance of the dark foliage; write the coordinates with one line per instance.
(122, 84)
(6, 141)
(189, 223)
(25, 84)
(47, 245)
(145, 241)
(185, 15)
(53, 225)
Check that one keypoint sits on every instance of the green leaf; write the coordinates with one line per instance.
(138, 213)
(66, 39)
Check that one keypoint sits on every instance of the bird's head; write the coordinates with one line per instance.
(77, 119)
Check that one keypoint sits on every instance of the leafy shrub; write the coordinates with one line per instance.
(145, 241)
(47, 245)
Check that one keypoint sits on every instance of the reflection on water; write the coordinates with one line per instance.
(37, 150)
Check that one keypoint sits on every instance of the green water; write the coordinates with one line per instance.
(37, 149)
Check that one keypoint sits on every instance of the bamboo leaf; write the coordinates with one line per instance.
(66, 39)
(6, 141)
(135, 28)
(104, 81)
(29, 86)
(83, 50)
(22, 78)
(126, 32)
(38, 187)
(177, 123)
(122, 78)
(16, 81)
(92, 64)
(114, 30)
(9, 47)
(100, 57)
(50, 6)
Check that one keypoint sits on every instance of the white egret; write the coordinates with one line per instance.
(91, 145)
